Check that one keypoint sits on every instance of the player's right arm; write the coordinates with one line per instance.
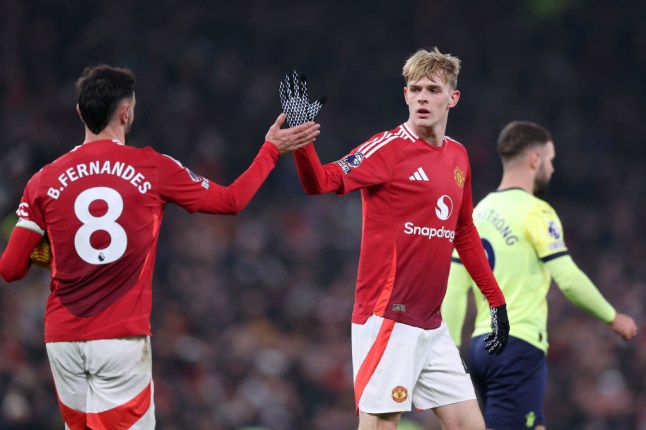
(371, 163)
(15, 262)
(315, 177)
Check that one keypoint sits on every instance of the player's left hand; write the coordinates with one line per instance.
(624, 325)
(42, 253)
(496, 341)
(295, 102)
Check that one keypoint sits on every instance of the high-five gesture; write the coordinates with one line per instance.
(295, 102)
(290, 139)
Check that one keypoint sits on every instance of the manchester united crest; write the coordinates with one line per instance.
(458, 175)
(400, 394)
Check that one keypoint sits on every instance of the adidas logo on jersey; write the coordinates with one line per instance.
(419, 175)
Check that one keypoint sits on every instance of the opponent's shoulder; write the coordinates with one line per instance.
(513, 197)
(542, 208)
(513, 204)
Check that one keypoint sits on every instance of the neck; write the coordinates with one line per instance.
(433, 134)
(111, 132)
(514, 179)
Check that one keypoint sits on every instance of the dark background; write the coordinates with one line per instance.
(251, 319)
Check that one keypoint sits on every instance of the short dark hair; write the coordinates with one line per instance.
(99, 91)
(520, 135)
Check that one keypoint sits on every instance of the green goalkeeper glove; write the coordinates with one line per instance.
(294, 100)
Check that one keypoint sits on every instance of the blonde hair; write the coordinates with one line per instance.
(424, 63)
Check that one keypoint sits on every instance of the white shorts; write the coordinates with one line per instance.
(104, 384)
(397, 365)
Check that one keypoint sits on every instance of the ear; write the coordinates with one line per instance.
(535, 159)
(124, 113)
(455, 96)
(406, 94)
(78, 111)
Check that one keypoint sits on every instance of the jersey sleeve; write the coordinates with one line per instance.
(469, 247)
(544, 231)
(235, 197)
(315, 177)
(179, 185)
(454, 306)
(369, 164)
(30, 215)
(193, 192)
(579, 289)
(15, 261)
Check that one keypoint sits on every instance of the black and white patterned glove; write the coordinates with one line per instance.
(294, 99)
(496, 341)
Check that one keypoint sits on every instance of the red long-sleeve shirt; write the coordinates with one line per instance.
(101, 206)
(417, 206)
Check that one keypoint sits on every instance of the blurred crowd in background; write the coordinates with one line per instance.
(251, 315)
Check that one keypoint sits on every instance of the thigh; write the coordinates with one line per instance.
(443, 379)
(67, 363)
(512, 384)
(384, 357)
(104, 384)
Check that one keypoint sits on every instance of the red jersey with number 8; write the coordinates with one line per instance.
(101, 206)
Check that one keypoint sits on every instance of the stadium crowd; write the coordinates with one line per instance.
(251, 315)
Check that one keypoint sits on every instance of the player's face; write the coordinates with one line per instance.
(429, 100)
(545, 169)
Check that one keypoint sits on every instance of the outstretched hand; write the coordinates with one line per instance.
(295, 100)
(290, 139)
(624, 326)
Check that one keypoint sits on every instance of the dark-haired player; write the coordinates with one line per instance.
(101, 206)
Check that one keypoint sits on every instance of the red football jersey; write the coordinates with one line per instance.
(101, 206)
(417, 206)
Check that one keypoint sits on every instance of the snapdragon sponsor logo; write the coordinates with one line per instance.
(444, 207)
(429, 232)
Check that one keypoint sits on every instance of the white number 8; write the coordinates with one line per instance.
(106, 222)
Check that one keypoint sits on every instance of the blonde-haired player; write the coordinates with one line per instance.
(415, 184)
